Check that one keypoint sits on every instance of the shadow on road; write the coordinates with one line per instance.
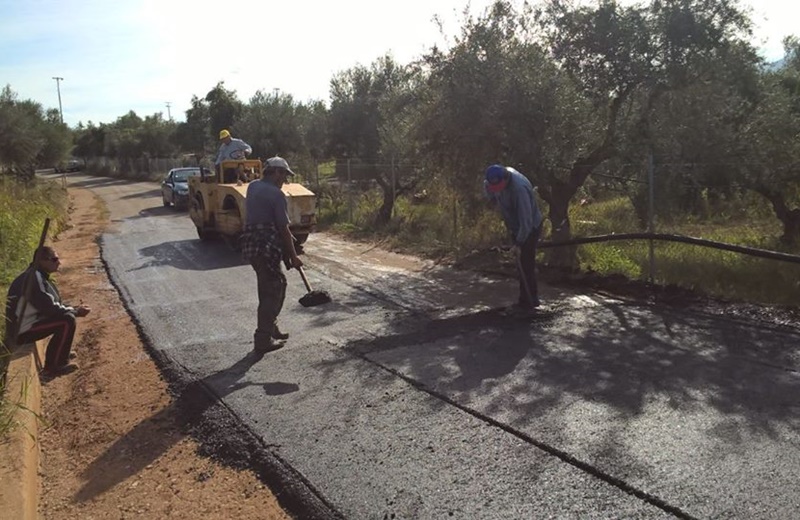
(148, 440)
(100, 182)
(191, 255)
(149, 194)
(623, 358)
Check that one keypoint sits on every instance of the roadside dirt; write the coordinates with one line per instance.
(113, 444)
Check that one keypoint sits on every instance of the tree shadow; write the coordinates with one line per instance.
(620, 356)
(99, 182)
(155, 435)
(148, 194)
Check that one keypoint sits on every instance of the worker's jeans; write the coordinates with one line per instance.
(528, 261)
(271, 294)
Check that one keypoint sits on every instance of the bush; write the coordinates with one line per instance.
(26, 205)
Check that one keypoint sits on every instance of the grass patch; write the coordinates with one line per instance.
(25, 208)
(440, 226)
(714, 272)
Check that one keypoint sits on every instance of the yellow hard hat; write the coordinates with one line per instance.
(223, 134)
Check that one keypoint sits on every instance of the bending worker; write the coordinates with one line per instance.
(513, 193)
(231, 149)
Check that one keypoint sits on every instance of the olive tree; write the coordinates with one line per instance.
(29, 136)
(624, 60)
(770, 138)
(371, 120)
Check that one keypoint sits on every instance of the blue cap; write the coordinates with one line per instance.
(496, 177)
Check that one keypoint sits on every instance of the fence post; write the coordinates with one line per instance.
(349, 194)
(317, 192)
(651, 213)
(454, 244)
(394, 195)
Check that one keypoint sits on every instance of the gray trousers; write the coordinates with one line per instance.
(271, 294)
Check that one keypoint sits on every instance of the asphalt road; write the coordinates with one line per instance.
(410, 396)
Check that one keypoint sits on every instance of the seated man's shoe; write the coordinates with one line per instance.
(277, 334)
(49, 373)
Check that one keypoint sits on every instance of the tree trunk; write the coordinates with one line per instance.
(791, 227)
(385, 211)
(566, 256)
(790, 218)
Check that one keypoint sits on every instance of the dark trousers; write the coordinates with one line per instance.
(63, 331)
(271, 294)
(528, 261)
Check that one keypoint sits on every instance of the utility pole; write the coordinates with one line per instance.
(58, 87)
(169, 114)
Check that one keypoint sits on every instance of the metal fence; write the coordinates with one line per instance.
(648, 237)
(139, 169)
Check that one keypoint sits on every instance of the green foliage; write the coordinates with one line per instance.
(25, 206)
(741, 220)
(21, 224)
(615, 215)
(224, 109)
(614, 258)
(29, 137)
(271, 126)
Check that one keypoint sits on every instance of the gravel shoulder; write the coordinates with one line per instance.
(114, 444)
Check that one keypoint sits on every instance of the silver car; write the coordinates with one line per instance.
(175, 187)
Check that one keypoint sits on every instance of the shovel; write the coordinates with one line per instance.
(312, 298)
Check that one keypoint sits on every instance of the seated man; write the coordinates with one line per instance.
(34, 311)
(231, 149)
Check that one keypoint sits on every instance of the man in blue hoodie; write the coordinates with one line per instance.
(34, 311)
(513, 194)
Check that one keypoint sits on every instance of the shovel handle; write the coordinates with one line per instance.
(305, 280)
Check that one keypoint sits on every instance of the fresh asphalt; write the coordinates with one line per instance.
(386, 407)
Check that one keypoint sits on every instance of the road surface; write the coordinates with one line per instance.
(411, 396)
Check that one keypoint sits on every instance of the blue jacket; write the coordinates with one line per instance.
(236, 149)
(518, 206)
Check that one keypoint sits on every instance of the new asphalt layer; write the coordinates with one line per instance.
(402, 399)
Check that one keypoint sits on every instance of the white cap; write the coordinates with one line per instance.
(279, 162)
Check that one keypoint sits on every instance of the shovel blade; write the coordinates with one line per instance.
(314, 298)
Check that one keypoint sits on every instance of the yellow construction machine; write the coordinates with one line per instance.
(217, 202)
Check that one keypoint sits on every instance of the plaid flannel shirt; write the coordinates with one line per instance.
(262, 240)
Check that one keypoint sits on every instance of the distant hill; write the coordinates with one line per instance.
(776, 65)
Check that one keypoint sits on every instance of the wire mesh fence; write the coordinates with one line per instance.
(691, 218)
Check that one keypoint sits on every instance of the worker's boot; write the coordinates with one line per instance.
(277, 334)
(264, 343)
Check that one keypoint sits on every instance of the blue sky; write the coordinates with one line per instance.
(123, 55)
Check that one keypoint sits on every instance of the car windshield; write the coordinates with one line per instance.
(183, 175)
